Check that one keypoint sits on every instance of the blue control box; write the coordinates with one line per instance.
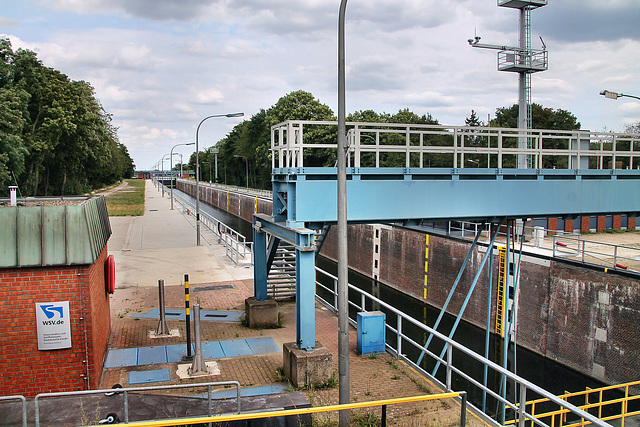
(371, 332)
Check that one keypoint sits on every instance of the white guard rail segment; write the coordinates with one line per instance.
(23, 401)
(126, 392)
(453, 346)
(238, 249)
(460, 145)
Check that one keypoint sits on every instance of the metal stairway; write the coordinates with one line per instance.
(281, 281)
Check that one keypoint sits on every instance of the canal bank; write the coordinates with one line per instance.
(579, 315)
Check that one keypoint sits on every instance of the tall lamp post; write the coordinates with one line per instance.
(209, 163)
(343, 268)
(616, 95)
(198, 169)
(247, 167)
(177, 145)
(162, 184)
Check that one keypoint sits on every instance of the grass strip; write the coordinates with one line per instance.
(129, 201)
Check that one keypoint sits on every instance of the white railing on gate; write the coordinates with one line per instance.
(416, 146)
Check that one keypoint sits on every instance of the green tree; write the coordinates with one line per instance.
(55, 136)
(542, 118)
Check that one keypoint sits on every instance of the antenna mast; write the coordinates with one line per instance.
(522, 60)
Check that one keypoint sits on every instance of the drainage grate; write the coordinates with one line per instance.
(213, 288)
(216, 315)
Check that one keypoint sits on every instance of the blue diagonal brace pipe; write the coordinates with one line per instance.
(451, 292)
(468, 297)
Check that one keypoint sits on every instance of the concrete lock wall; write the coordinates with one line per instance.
(25, 369)
(577, 315)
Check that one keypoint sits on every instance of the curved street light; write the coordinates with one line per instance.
(177, 145)
(247, 167)
(198, 169)
(616, 95)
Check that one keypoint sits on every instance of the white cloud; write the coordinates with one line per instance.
(160, 66)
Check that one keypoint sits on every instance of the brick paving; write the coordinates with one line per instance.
(372, 377)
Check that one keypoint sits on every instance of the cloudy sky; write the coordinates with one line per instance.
(160, 66)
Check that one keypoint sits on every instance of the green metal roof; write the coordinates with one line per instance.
(72, 231)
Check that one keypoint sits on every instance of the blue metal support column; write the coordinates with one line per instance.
(306, 298)
(303, 240)
(260, 268)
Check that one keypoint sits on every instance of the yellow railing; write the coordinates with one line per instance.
(303, 411)
(589, 400)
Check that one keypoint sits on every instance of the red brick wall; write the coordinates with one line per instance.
(25, 369)
(585, 224)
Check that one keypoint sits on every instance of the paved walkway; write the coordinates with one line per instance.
(161, 245)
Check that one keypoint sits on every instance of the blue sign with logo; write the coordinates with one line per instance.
(53, 324)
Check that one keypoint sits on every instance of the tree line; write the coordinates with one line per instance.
(250, 140)
(55, 136)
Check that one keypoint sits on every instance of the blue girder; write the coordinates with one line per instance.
(307, 196)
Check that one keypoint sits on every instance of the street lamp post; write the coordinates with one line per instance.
(343, 268)
(162, 175)
(209, 163)
(616, 95)
(198, 169)
(177, 145)
(247, 166)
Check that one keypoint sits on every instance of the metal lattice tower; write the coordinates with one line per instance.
(522, 60)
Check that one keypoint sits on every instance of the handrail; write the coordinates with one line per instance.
(236, 245)
(312, 410)
(401, 318)
(23, 400)
(599, 404)
(418, 143)
(126, 392)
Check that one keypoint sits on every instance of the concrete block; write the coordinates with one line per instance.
(261, 314)
(305, 368)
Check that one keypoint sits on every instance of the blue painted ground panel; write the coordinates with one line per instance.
(152, 355)
(176, 352)
(205, 315)
(121, 357)
(235, 348)
(155, 314)
(263, 345)
(144, 377)
(212, 350)
(221, 316)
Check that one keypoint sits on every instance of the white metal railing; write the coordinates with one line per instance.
(265, 194)
(560, 244)
(424, 146)
(127, 391)
(454, 349)
(237, 248)
(610, 255)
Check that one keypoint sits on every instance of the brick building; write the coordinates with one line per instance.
(53, 252)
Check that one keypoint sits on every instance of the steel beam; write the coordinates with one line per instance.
(389, 194)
